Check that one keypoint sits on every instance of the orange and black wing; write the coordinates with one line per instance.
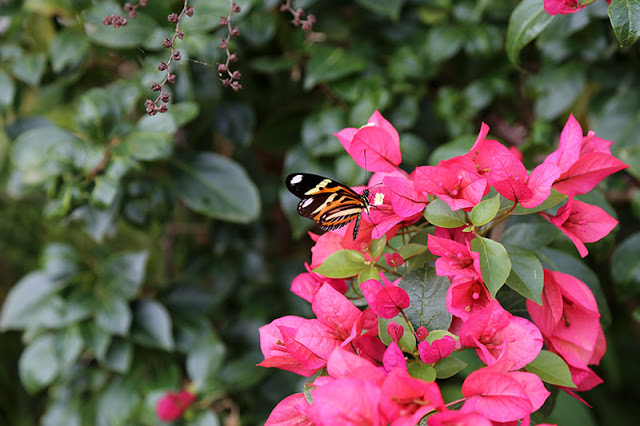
(330, 203)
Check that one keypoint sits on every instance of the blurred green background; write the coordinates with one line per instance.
(140, 253)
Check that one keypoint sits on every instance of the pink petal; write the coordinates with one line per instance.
(335, 310)
(393, 358)
(457, 418)
(568, 151)
(587, 172)
(496, 396)
(286, 414)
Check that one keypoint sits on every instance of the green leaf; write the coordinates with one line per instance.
(123, 274)
(494, 262)
(152, 325)
(527, 21)
(235, 122)
(558, 88)
(428, 293)
(148, 146)
(625, 268)
(526, 276)
(217, 187)
(38, 365)
(411, 250)
(329, 64)
(443, 42)
(485, 211)
(7, 89)
(389, 8)
(95, 339)
(118, 400)
(29, 68)
(625, 20)
(440, 214)
(377, 246)
(341, 265)
(114, 315)
(118, 356)
(26, 298)
(449, 367)
(68, 49)
(68, 344)
(97, 114)
(241, 374)
(530, 235)
(422, 371)
(366, 274)
(42, 154)
(551, 369)
(205, 418)
(204, 362)
(318, 131)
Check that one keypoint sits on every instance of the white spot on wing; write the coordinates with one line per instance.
(306, 202)
(296, 179)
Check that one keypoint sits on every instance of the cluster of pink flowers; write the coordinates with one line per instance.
(172, 405)
(565, 7)
(364, 364)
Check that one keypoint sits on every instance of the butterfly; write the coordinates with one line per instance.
(330, 203)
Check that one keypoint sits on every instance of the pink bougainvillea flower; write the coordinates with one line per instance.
(583, 161)
(385, 299)
(582, 223)
(375, 146)
(465, 297)
(343, 364)
(570, 323)
(494, 331)
(350, 393)
(455, 181)
(505, 172)
(457, 418)
(307, 284)
(393, 358)
(352, 400)
(503, 396)
(431, 353)
(562, 7)
(395, 331)
(304, 345)
(286, 413)
(276, 354)
(405, 200)
(393, 259)
(456, 259)
(172, 405)
(421, 333)
(405, 400)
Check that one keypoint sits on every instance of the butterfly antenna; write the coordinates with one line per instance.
(367, 188)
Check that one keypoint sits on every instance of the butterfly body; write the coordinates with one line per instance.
(330, 203)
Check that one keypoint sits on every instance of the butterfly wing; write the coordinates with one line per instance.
(330, 203)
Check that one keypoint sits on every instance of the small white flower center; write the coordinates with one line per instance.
(378, 199)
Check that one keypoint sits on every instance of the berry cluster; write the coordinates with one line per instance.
(120, 21)
(151, 106)
(232, 77)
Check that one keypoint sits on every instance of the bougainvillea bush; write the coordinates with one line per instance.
(441, 250)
